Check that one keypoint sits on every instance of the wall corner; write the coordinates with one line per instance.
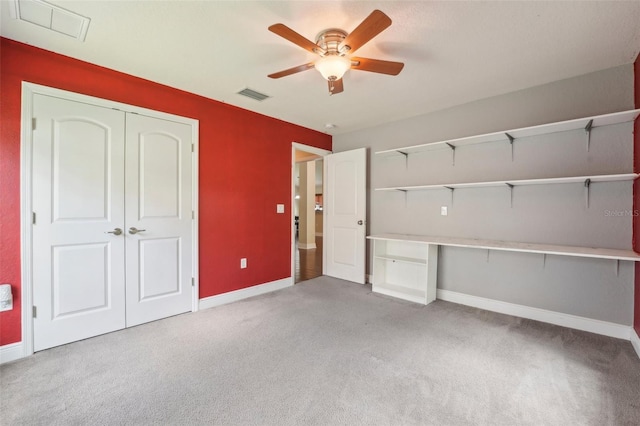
(636, 195)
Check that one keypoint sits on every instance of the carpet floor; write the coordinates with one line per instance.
(329, 352)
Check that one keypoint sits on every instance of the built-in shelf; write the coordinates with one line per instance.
(586, 124)
(517, 182)
(559, 250)
(405, 269)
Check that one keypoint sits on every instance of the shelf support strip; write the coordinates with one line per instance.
(587, 185)
(450, 189)
(510, 194)
(405, 196)
(453, 152)
(511, 139)
(587, 129)
(406, 158)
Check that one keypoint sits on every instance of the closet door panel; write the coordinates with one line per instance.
(78, 197)
(159, 218)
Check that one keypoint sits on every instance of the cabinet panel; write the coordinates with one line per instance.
(405, 270)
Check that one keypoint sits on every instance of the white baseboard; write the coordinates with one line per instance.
(610, 329)
(635, 341)
(303, 246)
(11, 352)
(243, 293)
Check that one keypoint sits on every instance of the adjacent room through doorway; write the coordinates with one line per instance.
(308, 215)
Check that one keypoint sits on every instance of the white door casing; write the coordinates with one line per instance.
(72, 268)
(345, 206)
(158, 205)
(78, 196)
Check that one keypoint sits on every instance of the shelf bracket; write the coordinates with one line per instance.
(405, 195)
(511, 140)
(587, 129)
(453, 153)
(587, 185)
(544, 260)
(510, 194)
(450, 189)
(406, 158)
(617, 267)
(488, 253)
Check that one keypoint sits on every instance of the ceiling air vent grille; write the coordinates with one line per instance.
(250, 93)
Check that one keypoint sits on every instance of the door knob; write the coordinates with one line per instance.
(360, 222)
(116, 231)
(134, 231)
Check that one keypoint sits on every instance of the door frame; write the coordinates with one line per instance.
(295, 146)
(26, 191)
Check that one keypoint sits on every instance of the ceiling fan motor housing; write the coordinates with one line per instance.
(329, 41)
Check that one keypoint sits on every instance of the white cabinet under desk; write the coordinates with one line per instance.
(405, 269)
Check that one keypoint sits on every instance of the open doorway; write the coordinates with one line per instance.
(308, 212)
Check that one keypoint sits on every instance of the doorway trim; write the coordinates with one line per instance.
(295, 146)
(26, 191)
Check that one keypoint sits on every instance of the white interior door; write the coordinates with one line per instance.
(78, 196)
(159, 207)
(345, 204)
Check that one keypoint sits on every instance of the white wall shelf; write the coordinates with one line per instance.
(559, 250)
(395, 275)
(586, 124)
(405, 269)
(517, 182)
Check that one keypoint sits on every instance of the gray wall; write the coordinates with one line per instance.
(554, 214)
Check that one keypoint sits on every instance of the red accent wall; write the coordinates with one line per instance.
(636, 194)
(245, 170)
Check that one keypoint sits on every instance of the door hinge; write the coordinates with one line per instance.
(33, 218)
(35, 312)
(193, 147)
(193, 214)
(193, 282)
(33, 123)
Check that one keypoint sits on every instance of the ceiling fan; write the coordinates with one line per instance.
(334, 47)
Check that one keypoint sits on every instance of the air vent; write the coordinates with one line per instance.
(51, 17)
(250, 93)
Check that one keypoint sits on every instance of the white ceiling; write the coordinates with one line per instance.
(454, 52)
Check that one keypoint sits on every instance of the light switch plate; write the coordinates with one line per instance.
(444, 210)
(279, 208)
(243, 263)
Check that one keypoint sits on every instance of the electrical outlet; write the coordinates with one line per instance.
(243, 263)
(279, 208)
(444, 211)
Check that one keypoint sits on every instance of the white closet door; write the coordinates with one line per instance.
(158, 206)
(78, 196)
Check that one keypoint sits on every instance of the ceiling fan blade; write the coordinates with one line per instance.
(293, 70)
(335, 87)
(295, 38)
(373, 25)
(376, 65)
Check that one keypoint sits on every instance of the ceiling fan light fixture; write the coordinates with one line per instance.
(333, 67)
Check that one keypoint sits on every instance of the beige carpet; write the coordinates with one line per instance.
(328, 352)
